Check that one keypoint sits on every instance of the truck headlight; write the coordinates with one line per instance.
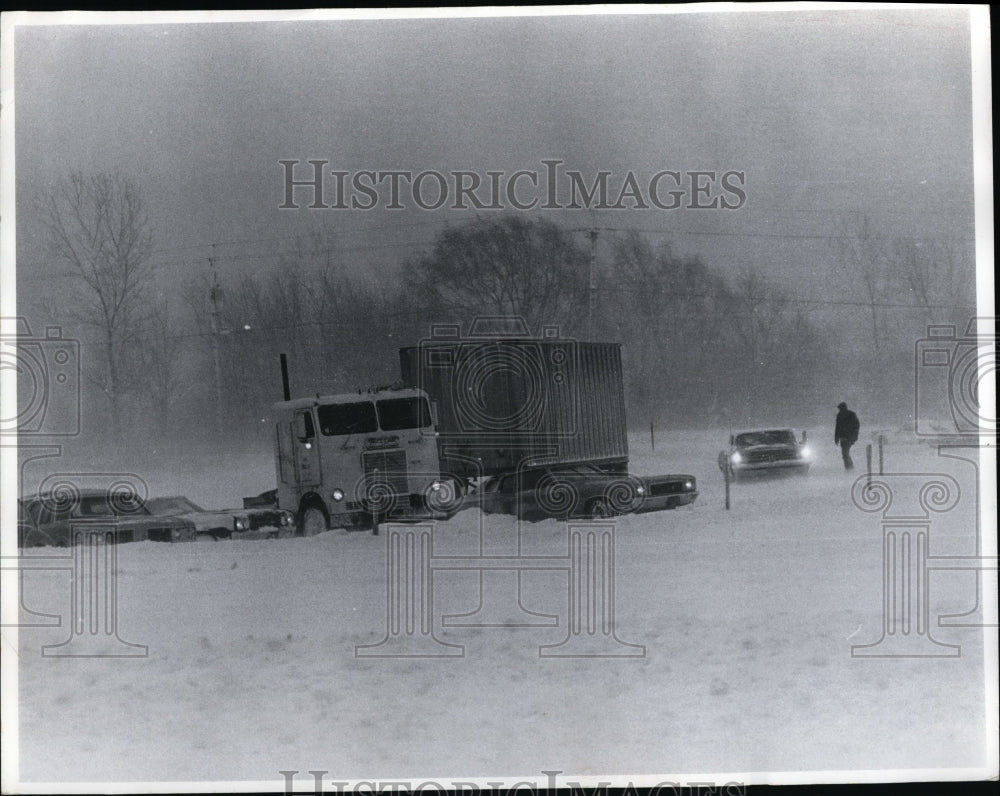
(286, 519)
(736, 458)
(805, 452)
(338, 494)
(640, 490)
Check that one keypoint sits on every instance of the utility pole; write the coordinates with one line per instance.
(592, 234)
(218, 300)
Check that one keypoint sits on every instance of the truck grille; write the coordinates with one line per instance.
(391, 467)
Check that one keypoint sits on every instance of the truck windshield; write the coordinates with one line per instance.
(339, 419)
(395, 414)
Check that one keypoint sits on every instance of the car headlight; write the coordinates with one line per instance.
(286, 519)
(736, 458)
(805, 452)
(338, 494)
(688, 485)
(176, 533)
(239, 524)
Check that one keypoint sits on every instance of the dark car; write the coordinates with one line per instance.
(765, 452)
(583, 491)
(245, 523)
(54, 518)
(667, 492)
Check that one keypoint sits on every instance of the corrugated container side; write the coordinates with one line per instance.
(502, 403)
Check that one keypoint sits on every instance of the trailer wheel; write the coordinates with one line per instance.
(313, 521)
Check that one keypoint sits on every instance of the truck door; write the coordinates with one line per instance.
(306, 449)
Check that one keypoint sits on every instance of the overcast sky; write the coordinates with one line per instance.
(825, 112)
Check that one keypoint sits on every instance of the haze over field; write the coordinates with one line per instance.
(771, 211)
(829, 152)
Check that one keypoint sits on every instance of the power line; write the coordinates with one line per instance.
(308, 236)
(334, 235)
(791, 236)
(423, 313)
(245, 257)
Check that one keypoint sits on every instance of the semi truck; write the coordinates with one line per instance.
(467, 407)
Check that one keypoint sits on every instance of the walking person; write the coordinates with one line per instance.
(845, 433)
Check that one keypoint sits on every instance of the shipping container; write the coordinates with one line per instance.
(502, 404)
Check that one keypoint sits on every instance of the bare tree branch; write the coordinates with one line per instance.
(100, 232)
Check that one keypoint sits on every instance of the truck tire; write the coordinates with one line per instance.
(313, 521)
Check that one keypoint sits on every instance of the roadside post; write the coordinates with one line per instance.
(724, 466)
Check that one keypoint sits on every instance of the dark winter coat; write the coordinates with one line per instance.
(847, 427)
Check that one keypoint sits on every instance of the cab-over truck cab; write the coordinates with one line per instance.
(349, 460)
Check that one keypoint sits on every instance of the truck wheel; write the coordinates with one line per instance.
(313, 521)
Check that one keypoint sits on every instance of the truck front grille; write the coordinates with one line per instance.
(387, 467)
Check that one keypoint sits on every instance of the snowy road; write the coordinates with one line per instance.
(747, 619)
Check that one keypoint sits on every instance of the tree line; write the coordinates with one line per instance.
(703, 345)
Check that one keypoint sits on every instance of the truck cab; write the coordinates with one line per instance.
(348, 460)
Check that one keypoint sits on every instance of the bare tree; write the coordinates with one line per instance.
(335, 330)
(100, 231)
(759, 318)
(670, 312)
(161, 356)
(938, 279)
(504, 266)
(866, 257)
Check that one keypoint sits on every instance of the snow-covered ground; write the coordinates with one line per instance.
(747, 618)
